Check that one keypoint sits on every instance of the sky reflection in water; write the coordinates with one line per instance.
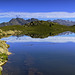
(61, 38)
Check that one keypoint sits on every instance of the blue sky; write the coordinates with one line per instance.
(28, 9)
(37, 5)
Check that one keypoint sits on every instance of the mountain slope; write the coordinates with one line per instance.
(21, 21)
(64, 22)
(17, 21)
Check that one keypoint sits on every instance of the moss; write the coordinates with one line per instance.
(3, 57)
(3, 60)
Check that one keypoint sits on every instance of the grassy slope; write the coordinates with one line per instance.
(40, 29)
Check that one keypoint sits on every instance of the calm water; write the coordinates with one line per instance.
(34, 56)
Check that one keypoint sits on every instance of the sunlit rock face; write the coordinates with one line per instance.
(3, 47)
(3, 54)
(8, 33)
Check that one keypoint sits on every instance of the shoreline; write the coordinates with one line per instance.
(4, 53)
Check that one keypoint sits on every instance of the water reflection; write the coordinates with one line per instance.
(32, 57)
(61, 38)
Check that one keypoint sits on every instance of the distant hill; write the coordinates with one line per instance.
(21, 21)
(63, 22)
(31, 20)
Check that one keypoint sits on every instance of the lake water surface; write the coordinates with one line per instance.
(54, 55)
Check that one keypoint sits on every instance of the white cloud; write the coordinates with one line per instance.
(38, 15)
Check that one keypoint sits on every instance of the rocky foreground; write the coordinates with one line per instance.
(4, 47)
(3, 53)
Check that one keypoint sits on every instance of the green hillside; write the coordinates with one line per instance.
(40, 29)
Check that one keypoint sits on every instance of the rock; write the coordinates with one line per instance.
(3, 53)
(1, 68)
(4, 47)
(9, 33)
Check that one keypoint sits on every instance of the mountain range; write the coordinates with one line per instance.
(21, 21)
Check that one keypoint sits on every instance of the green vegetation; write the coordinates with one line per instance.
(3, 57)
(39, 29)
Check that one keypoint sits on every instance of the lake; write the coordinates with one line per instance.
(54, 55)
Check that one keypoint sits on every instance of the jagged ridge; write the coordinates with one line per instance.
(21, 21)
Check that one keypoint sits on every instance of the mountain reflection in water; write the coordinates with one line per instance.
(63, 37)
